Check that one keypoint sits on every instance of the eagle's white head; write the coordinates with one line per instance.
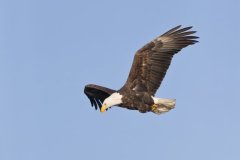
(112, 100)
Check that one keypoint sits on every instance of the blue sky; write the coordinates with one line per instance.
(50, 49)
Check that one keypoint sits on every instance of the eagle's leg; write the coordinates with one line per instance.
(162, 105)
(143, 108)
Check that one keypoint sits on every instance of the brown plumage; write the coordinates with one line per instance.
(149, 67)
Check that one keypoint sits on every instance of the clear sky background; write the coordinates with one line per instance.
(50, 49)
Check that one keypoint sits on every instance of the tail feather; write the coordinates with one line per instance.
(163, 105)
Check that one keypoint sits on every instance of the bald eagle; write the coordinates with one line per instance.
(149, 67)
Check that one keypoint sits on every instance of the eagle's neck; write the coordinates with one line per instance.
(113, 100)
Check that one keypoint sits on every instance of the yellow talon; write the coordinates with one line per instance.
(154, 107)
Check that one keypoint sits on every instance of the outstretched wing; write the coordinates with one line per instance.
(152, 61)
(97, 94)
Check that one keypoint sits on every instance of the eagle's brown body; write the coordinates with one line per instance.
(149, 67)
(134, 100)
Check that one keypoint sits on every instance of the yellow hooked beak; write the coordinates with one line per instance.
(103, 109)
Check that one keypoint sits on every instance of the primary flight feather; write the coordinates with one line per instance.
(149, 67)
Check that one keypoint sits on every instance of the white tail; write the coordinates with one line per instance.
(162, 105)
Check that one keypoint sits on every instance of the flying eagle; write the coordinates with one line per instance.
(149, 67)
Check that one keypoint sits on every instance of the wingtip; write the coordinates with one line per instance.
(196, 37)
(172, 30)
(175, 28)
(189, 27)
(178, 26)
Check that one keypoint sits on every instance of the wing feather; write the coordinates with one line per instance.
(97, 94)
(152, 61)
